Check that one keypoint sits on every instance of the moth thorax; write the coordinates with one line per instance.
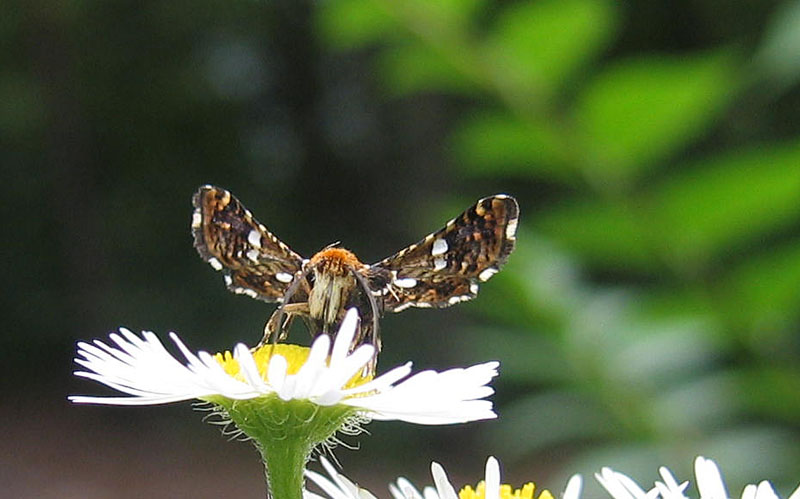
(333, 284)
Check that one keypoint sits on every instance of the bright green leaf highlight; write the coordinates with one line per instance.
(351, 24)
(691, 218)
(637, 113)
(536, 45)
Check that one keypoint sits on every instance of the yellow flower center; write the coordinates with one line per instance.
(506, 492)
(295, 356)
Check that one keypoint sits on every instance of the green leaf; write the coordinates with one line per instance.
(415, 67)
(726, 201)
(772, 391)
(763, 292)
(690, 218)
(536, 45)
(500, 144)
(352, 24)
(637, 113)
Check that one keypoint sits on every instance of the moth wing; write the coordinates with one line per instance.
(447, 266)
(253, 261)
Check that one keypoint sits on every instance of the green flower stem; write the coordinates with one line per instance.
(285, 434)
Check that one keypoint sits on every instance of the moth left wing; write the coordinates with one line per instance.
(447, 266)
(231, 240)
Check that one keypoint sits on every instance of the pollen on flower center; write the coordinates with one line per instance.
(295, 355)
(506, 492)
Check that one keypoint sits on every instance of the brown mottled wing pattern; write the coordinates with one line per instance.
(254, 262)
(447, 266)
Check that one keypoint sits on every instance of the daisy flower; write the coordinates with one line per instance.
(710, 485)
(288, 399)
(339, 487)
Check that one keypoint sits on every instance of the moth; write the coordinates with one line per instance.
(444, 268)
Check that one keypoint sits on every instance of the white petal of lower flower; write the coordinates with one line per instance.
(709, 479)
(573, 488)
(443, 488)
(492, 478)
(669, 488)
(620, 486)
(143, 369)
(710, 485)
(403, 489)
(336, 485)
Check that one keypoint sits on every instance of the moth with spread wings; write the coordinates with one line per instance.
(442, 269)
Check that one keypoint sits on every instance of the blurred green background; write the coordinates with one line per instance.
(649, 314)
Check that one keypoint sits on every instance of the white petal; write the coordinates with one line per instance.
(573, 489)
(344, 338)
(276, 372)
(310, 373)
(709, 480)
(404, 490)
(335, 485)
(621, 486)
(429, 397)
(764, 491)
(146, 373)
(248, 368)
(492, 478)
(444, 488)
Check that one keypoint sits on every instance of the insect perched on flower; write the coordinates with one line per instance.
(442, 269)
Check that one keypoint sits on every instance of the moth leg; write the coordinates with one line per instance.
(290, 310)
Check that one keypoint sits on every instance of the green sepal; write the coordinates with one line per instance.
(285, 433)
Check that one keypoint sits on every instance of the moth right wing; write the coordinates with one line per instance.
(254, 262)
(447, 266)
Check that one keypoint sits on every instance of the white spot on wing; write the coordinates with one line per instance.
(473, 288)
(215, 263)
(453, 300)
(439, 263)
(254, 238)
(402, 307)
(197, 219)
(252, 254)
(439, 247)
(511, 228)
(406, 282)
(486, 274)
(245, 291)
(284, 277)
(228, 280)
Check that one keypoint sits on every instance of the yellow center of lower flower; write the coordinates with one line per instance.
(295, 356)
(506, 492)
